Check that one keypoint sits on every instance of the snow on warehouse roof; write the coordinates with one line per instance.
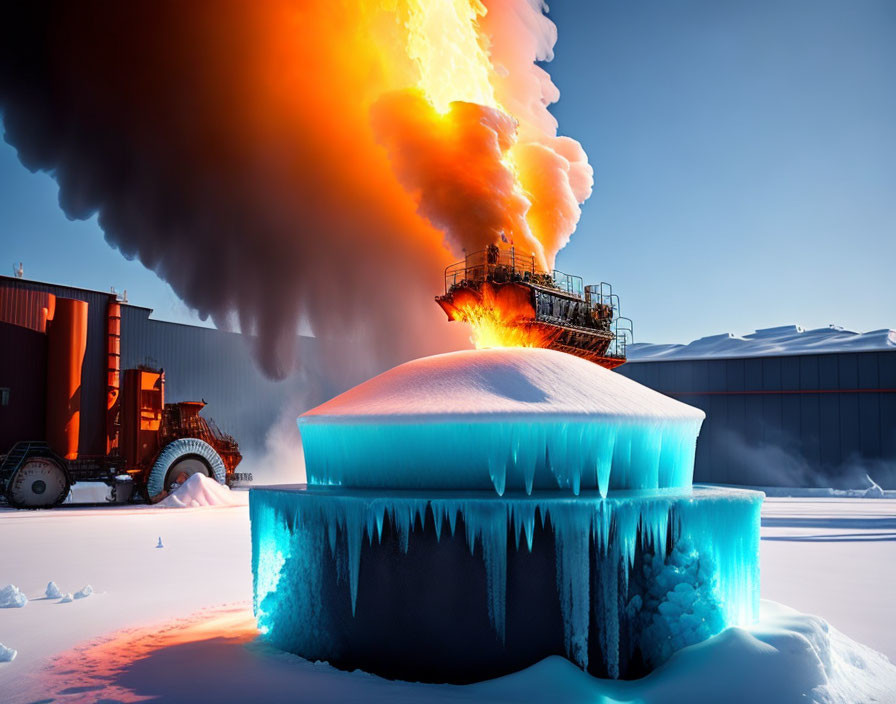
(525, 383)
(783, 340)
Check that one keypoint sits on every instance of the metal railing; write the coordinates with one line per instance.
(505, 265)
(573, 285)
(623, 336)
(495, 264)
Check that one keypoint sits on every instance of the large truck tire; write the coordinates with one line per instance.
(41, 482)
(187, 455)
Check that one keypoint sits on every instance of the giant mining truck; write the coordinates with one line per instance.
(149, 444)
(558, 308)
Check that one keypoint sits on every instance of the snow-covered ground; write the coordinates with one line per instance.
(836, 558)
(174, 623)
(206, 560)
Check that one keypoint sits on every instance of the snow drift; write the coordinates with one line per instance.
(84, 592)
(787, 657)
(11, 597)
(199, 490)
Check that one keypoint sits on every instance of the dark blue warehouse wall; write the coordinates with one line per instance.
(801, 420)
(215, 366)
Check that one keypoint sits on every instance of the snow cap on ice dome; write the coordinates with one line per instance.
(504, 418)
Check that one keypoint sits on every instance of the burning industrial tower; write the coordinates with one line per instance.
(300, 163)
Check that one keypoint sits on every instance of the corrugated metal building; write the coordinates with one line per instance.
(199, 363)
(784, 414)
(217, 367)
(31, 389)
(784, 406)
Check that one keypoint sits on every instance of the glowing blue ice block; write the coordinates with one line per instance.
(463, 585)
(469, 514)
(497, 454)
(502, 419)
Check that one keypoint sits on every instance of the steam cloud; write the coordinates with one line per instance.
(780, 462)
(454, 164)
(230, 147)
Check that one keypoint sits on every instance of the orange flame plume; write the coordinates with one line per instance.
(502, 317)
(473, 141)
(297, 164)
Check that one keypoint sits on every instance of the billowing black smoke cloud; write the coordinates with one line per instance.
(226, 145)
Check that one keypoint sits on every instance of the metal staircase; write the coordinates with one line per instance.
(10, 463)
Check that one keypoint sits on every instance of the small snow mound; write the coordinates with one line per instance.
(788, 656)
(84, 593)
(67, 599)
(53, 592)
(7, 654)
(199, 490)
(11, 597)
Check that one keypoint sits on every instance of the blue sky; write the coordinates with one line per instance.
(745, 160)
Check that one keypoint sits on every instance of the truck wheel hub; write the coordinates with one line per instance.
(39, 483)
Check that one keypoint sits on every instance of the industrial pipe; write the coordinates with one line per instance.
(66, 344)
(113, 375)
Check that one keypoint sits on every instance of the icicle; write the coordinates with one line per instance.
(571, 539)
(437, 515)
(609, 585)
(529, 464)
(331, 533)
(524, 521)
(605, 446)
(513, 512)
(401, 521)
(354, 536)
(452, 518)
(470, 528)
(380, 517)
(497, 469)
(489, 525)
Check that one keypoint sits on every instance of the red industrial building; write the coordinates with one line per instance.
(70, 412)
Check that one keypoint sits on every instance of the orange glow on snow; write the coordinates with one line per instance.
(90, 672)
